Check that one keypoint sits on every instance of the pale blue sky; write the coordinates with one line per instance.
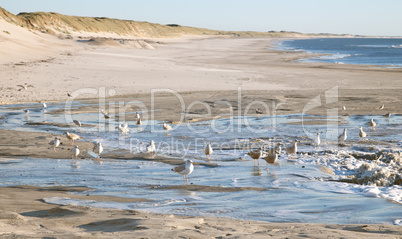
(364, 17)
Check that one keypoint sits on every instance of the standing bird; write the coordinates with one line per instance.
(382, 107)
(185, 169)
(343, 107)
(208, 151)
(362, 134)
(77, 122)
(277, 148)
(292, 149)
(44, 105)
(151, 148)
(55, 143)
(342, 137)
(98, 149)
(72, 136)
(258, 111)
(317, 139)
(372, 123)
(167, 127)
(387, 115)
(75, 152)
(26, 111)
(271, 158)
(256, 155)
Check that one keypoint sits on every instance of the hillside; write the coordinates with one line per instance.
(74, 26)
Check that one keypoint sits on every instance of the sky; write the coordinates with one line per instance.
(359, 17)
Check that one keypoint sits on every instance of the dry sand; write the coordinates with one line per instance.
(217, 72)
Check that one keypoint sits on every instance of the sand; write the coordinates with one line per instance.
(227, 75)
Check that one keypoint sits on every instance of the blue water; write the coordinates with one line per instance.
(385, 52)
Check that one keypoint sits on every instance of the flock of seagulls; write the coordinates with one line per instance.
(270, 156)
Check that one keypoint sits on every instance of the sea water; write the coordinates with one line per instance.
(314, 186)
(385, 52)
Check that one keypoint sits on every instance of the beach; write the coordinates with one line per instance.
(173, 76)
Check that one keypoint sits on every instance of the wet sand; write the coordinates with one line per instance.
(209, 72)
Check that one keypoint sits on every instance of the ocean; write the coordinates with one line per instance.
(385, 52)
(328, 183)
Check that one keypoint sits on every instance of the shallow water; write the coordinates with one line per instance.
(297, 190)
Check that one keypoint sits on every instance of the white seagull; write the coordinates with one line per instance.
(75, 152)
(151, 148)
(342, 137)
(167, 127)
(362, 134)
(208, 151)
(317, 139)
(372, 123)
(277, 148)
(55, 143)
(292, 149)
(98, 149)
(185, 169)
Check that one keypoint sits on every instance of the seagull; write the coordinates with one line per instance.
(362, 134)
(382, 107)
(277, 148)
(137, 115)
(55, 143)
(167, 127)
(98, 149)
(185, 169)
(372, 123)
(44, 105)
(105, 114)
(24, 87)
(317, 139)
(256, 154)
(77, 122)
(387, 115)
(292, 149)
(151, 148)
(208, 151)
(344, 107)
(123, 128)
(342, 137)
(271, 158)
(75, 152)
(72, 136)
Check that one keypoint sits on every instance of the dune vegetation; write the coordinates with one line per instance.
(63, 25)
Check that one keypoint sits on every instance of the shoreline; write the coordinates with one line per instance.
(208, 71)
(24, 214)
